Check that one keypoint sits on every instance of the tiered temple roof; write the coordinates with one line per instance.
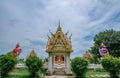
(59, 42)
(32, 53)
(87, 55)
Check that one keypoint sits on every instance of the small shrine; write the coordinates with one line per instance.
(32, 53)
(59, 48)
(87, 55)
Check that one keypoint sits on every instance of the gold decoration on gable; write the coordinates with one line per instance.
(59, 42)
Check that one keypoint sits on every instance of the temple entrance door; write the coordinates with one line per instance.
(59, 61)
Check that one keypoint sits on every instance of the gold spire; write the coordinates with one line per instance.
(59, 28)
(59, 23)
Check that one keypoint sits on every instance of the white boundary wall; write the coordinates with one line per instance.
(91, 66)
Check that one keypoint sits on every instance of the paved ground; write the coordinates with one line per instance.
(95, 76)
(54, 76)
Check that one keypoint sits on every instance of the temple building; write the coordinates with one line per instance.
(59, 48)
(88, 56)
(32, 53)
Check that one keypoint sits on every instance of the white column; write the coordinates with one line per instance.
(68, 63)
(50, 64)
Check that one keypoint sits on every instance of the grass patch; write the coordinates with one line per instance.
(17, 76)
(96, 72)
(20, 71)
(23, 73)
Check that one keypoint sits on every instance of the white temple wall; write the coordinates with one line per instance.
(52, 66)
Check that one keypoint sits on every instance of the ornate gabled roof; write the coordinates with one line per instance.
(58, 42)
(32, 53)
(87, 55)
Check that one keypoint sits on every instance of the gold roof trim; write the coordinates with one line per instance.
(59, 42)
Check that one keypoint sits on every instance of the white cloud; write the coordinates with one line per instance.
(29, 22)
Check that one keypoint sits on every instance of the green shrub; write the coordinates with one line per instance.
(7, 63)
(34, 65)
(111, 65)
(79, 66)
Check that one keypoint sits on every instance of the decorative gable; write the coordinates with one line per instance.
(59, 42)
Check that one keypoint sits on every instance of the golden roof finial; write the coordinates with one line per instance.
(67, 33)
(59, 23)
(51, 33)
(48, 36)
(59, 28)
(70, 36)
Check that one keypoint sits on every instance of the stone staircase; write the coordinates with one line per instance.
(59, 71)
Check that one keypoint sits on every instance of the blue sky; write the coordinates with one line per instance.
(29, 21)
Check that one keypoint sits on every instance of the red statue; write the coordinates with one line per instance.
(16, 50)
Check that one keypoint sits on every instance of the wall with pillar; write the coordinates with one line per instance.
(52, 66)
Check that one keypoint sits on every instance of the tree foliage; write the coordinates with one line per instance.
(111, 39)
(112, 65)
(79, 66)
(34, 65)
(7, 63)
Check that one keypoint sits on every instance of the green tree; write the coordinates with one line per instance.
(111, 65)
(79, 66)
(10, 54)
(111, 39)
(7, 63)
(34, 65)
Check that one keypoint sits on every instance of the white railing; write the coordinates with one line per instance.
(90, 66)
(95, 66)
(20, 65)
